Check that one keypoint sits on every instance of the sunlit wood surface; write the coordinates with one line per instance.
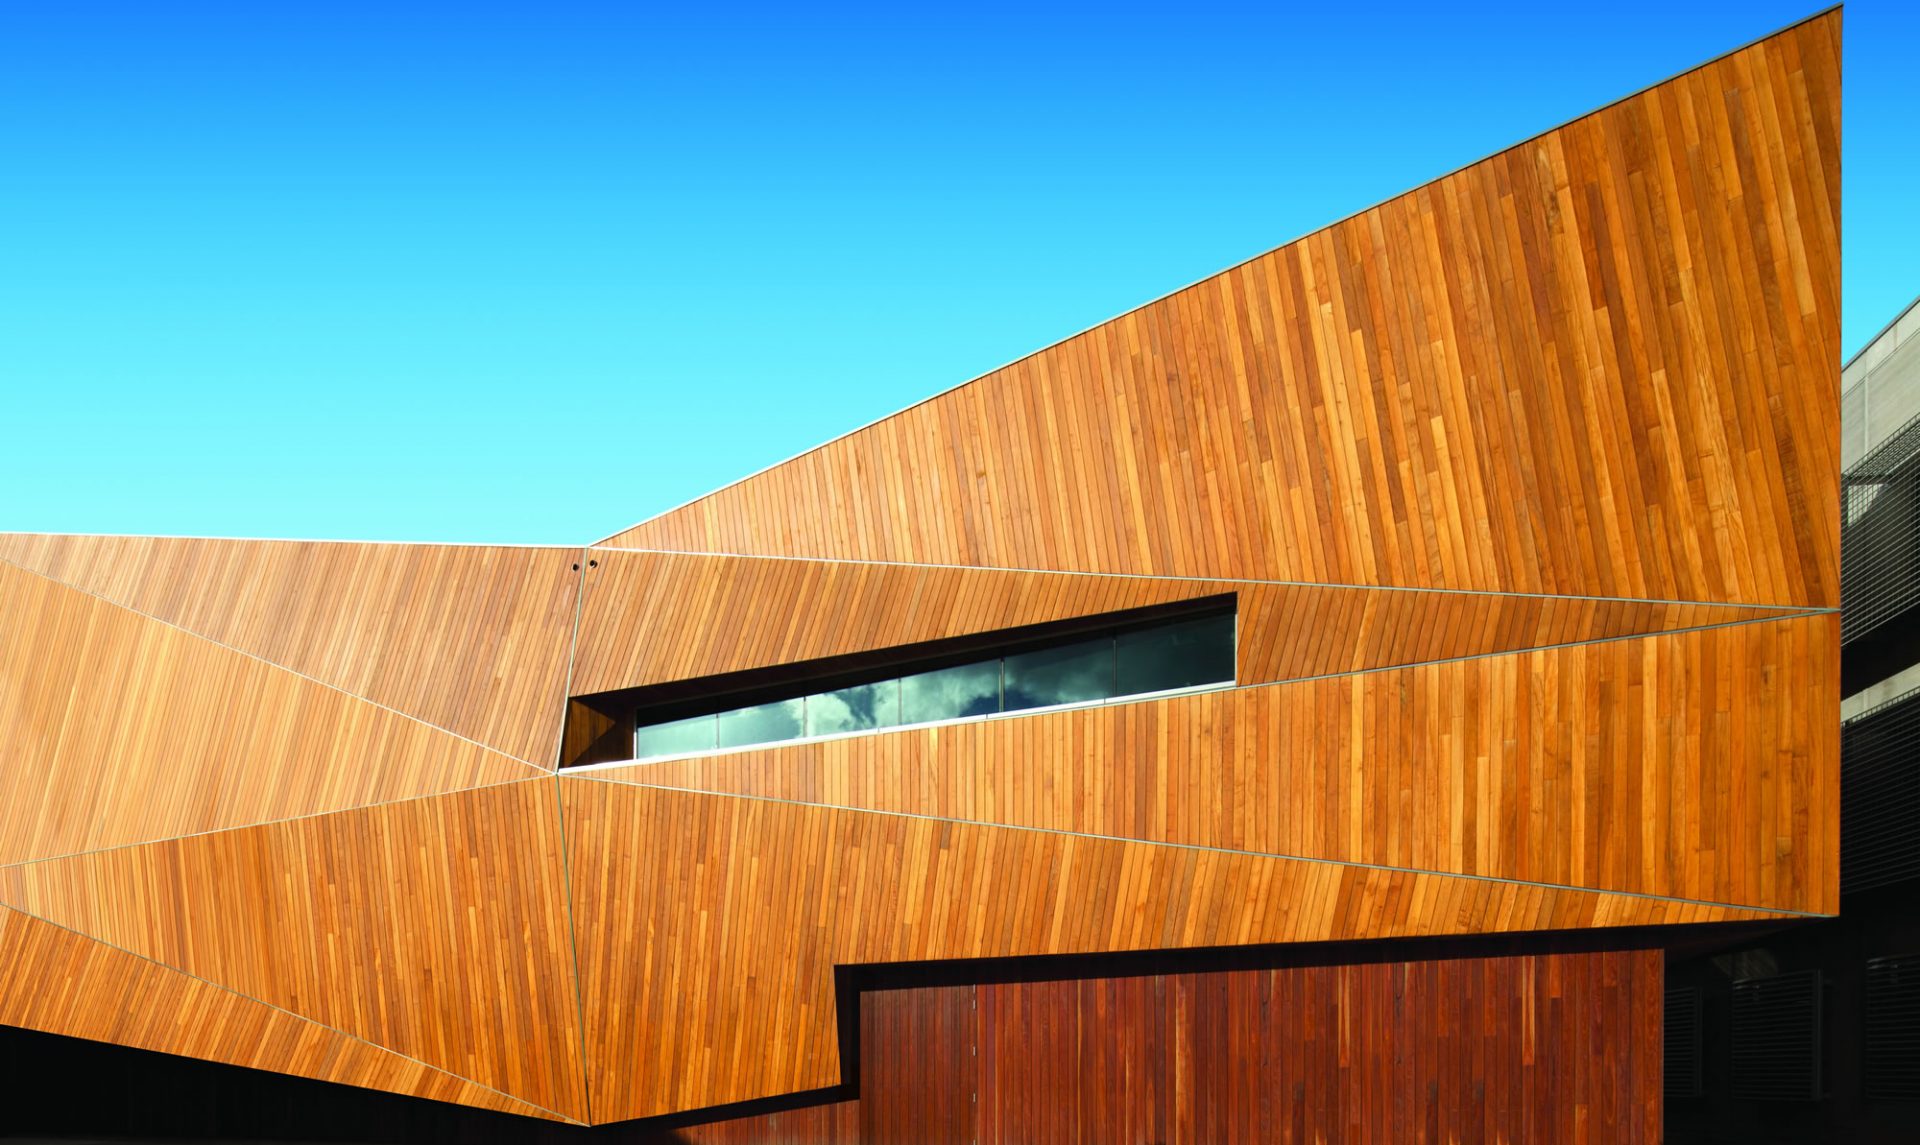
(647, 617)
(468, 638)
(116, 728)
(1525, 484)
(435, 927)
(1625, 766)
(1601, 362)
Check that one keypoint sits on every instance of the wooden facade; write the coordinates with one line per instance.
(69, 983)
(1440, 767)
(123, 729)
(1523, 487)
(1599, 363)
(1274, 1055)
(434, 927)
(1390, 1053)
(469, 638)
(707, 956)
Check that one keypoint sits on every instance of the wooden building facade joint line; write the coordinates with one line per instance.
(581, 566)
(442, 904)
(573, 948)
(1229, 581)
(274, 822)
(24, 913)
(1384, 868)
(720, 951)
(277, 667)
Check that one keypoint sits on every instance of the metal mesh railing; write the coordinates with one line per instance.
(1880, 534)
(1880, 795)
(1681, 1076)
(1776, 1037)
(1892, 1067)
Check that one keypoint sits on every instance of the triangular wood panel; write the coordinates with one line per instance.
(1601, 362)
(65, 983)
(470, 638)
(649, 617)
(1295, 632)
(1645, 765)
(709, 925)
(116, 728)
(435, 927)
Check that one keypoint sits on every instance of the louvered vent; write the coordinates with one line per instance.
(1683, 1043)
(1776, 1037)
(1879, 543)
(1893, 1028)
(1880, 796)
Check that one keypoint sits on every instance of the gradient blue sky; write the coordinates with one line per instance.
(534, 272)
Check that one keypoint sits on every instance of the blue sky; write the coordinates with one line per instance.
(535, 272)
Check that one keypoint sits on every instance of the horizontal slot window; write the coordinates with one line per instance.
(1074, 674)
(762, 723)
(950, 693)
(1184, 654)
(1135, 658)
(676, 737)
(860, 708)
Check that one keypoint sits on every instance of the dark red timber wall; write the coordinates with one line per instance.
(1527, 1048)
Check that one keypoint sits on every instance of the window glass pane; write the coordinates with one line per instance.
(674, 738)
(950, 693)
(854, 709)
(1065, 675)
(1178, 655)
(762, 723)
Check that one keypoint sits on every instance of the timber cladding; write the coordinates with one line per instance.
(646, 618)
(1256, 1055)
(1598, 363)
(750, 903)
(1523, 488)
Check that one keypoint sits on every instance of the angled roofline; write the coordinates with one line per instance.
(1879, 334)
(1634, 94)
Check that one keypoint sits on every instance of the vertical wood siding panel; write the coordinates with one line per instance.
(116, 728)
(797, 890)
(434, 927)
(472, 639)
(1484, 384)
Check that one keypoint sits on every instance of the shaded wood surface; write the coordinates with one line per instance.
(435, 927)
(59, 981)
(917, 1082)
(1521, 1048)
(1533, 1048)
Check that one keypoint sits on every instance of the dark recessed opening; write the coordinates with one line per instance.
(1085, 659)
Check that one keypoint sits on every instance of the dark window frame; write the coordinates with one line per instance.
(687, 699)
